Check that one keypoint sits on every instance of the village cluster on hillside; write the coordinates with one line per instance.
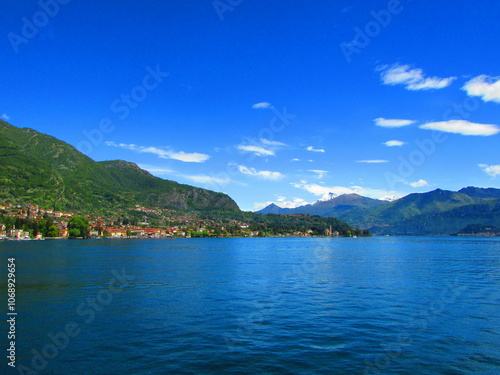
(28, 221)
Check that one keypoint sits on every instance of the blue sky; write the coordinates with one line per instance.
(265, 101)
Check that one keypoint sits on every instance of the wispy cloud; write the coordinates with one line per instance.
(419, 183)
(372, 161)
(5, 117)
(264, 175)
(394, 143)
(488, 88)
(492, 170)
(208, 180)
(392, 123)
(156, 170)
(462, 127)
(262, 105)
(412, 78)
(257, 150)
(312, 149)
(319, 173)
(193, 157)
(295, 159)
(263, 147)
(268, 142)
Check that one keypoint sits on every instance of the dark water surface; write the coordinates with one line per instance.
(383, 305)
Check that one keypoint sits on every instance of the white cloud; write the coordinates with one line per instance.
(413, 78)
(320, 190)
(5, 117)
(193, 157)
(265, 175)
(392, 123)
(319, 173)
(267, 142)
(419, 183)
(262, 105)
(375, 161)
(390, 198)
(259, 151)
(462, 127)
(262, 147)
(492, 170)
(295, 159)
(488, 88)
(312, 149)
(393, 143)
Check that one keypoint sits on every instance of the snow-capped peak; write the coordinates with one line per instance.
(327, 197)
(389, 198)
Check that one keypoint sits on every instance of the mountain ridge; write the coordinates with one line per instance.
(326, 208)
(44, 170)
(431, 213)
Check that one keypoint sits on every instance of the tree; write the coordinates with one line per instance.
(52, 231)
(74, 232)
(81, 223)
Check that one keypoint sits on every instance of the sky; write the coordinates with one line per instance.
(268, 102)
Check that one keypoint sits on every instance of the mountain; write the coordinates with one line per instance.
(43, 170)
(475, 192)
(328, 206)
(432, 213)
(272, 209)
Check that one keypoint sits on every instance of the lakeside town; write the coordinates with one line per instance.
(30, 222)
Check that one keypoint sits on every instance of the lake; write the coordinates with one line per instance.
(381, 305)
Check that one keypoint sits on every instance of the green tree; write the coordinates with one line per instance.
(52, 231)
(74, 232)
(81, 223)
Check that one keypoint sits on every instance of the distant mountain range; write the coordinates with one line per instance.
(328, 206)
(434, 213)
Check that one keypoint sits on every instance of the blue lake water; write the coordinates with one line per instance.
(383, 305)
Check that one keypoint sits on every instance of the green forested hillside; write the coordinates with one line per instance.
(43, 170)
(435, 212)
